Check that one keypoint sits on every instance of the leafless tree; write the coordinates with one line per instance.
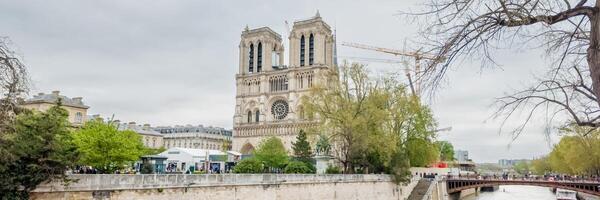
(13, 83)
(569, 31)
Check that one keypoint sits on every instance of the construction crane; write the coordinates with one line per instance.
(418, 56)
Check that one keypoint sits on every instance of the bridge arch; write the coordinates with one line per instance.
(457, 185)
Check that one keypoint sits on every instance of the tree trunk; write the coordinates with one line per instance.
(593, 52)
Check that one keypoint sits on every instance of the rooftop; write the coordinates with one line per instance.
(143, 130)
(53, 98)
(192, 129)
(316, 18)
(268, 30)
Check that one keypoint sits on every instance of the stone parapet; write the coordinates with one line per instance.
(95, 182)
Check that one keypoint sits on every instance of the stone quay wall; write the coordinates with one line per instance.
(226, 187)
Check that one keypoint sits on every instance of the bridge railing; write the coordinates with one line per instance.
(525, 179)
(88, 182)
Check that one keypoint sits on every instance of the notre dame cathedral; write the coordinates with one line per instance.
(269, 92)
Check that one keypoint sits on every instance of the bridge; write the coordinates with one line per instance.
(455, 185)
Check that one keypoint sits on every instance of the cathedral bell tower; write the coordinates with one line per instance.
(268, 92)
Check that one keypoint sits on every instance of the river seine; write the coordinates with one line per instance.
(510, 192)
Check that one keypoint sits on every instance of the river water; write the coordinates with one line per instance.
(510, 192)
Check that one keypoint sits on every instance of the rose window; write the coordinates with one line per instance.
(279, 109)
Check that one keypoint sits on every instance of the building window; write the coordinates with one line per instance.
(302, 47)
(259, 58)
(278, 83)
(78, 117)
(279, 109)
(257, 116)
(251, 59)
(311, 49)
(249, 116)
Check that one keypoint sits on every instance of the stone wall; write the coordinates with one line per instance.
(228, 186)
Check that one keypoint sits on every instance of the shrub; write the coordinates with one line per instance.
(248, 166)
(147, 168)
(331, 169)
(296, 167)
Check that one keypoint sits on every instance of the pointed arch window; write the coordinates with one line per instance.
(259, 57)
(311, 49)
(249, 116)
(251, 59)
(257, 116)
(302, 48)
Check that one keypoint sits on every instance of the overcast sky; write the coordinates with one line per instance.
(174, 62)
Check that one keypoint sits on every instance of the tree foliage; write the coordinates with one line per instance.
(541, 166)
(522, 167)
(248, 166)
(446, 150)
(332, 169)
(107, 149)
(297, 167)
(37, 147)
(422, 152)
(272, 153)
(303, 151)
(577, 153)
(301, 148)
(371, 122)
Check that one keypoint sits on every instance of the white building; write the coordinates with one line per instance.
(196, 137)
(187, 159)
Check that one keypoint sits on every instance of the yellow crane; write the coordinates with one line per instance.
(418, 56)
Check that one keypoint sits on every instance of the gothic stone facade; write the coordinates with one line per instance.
(268, 92)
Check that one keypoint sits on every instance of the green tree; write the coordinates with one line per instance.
(37, 147)
(297, 167)
(303, 151)
(301, 147)
(248, 166)
(107, 149)
(272, 153)
(541, 166)
(577, 153)
(151, 151)
(522, 167)
(421, 152)
(446, 150)
(332, 169)
(372, 122)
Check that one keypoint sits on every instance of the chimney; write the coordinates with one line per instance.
(78, 100)
(131, 125)
(55, 92)
(147, 127)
